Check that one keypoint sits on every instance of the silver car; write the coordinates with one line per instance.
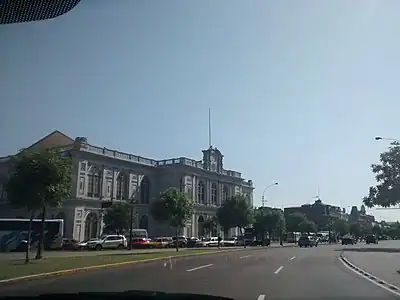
(108, 242)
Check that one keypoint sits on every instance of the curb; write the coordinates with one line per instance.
(89, 268)
(369, 276)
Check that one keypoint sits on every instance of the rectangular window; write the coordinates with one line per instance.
(83, 166)
(82, 185)
(109, 185)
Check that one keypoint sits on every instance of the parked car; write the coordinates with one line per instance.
(349, 240)
(230, 242)
(161, 242)
(108, 242)
(70, 244)
(371, 239)
(182, 242)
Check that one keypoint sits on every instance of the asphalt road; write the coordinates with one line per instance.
(273, 273)
(379, 260)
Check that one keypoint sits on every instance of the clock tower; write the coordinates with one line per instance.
(212, 160)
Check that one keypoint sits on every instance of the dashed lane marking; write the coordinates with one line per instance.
(243, 257)
(261, 297)
(278, 270)
(200, 267)
(293, 257)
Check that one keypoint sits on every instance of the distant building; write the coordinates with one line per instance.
(318, 212)
(360, 216)
(101, 175)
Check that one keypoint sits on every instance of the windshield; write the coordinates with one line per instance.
(200, 147)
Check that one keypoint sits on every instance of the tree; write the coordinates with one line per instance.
(341, 227)
(210, 225)
(307, 226)
(376, 229)
(387, 174)
(293, 221)
(39, 180)
(117, 217)
(265, 221)
(355, 229)
(235, 212)
(174, 208)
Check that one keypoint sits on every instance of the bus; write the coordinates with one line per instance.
(14, 231)
(137, 233)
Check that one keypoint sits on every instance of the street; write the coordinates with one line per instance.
(271, 273)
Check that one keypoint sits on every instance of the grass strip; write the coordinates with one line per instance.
(17, 268)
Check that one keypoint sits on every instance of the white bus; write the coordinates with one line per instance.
(137, 233)
(14, 231)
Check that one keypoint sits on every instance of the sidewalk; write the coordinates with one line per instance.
(385, 266)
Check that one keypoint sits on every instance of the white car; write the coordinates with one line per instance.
(108, 242)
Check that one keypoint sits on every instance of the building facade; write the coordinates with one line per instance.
(319, 213)
(101, 175)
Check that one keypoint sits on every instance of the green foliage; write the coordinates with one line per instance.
(293, 221)
(355, 229)
(267, 220)
(307, 226)
(341, 227)
(173, 207)
(117, 217)
(376, 229)
(392, 230)
(210, 225)
(235, 212)
(387, 174)
(39, 179)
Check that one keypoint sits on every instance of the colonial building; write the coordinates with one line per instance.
(101, 175)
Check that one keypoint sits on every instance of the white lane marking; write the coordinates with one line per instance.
(198, 268)
(293, 257)
(278, 270)
(261, 297)
(246, 256)
(370, 280)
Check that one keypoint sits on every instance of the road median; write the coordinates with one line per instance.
(17, 270)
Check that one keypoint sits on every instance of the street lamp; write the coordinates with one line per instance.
(263, 194)
(379, 138)
(262, 203)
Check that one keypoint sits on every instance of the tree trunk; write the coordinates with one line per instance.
(28, 246)
(176, 241)
(39, 253)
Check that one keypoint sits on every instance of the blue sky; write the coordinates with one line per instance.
(298, 89)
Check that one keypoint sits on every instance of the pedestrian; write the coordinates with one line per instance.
(219, 241)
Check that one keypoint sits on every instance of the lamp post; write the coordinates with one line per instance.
(263, 205)
(263, 194)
